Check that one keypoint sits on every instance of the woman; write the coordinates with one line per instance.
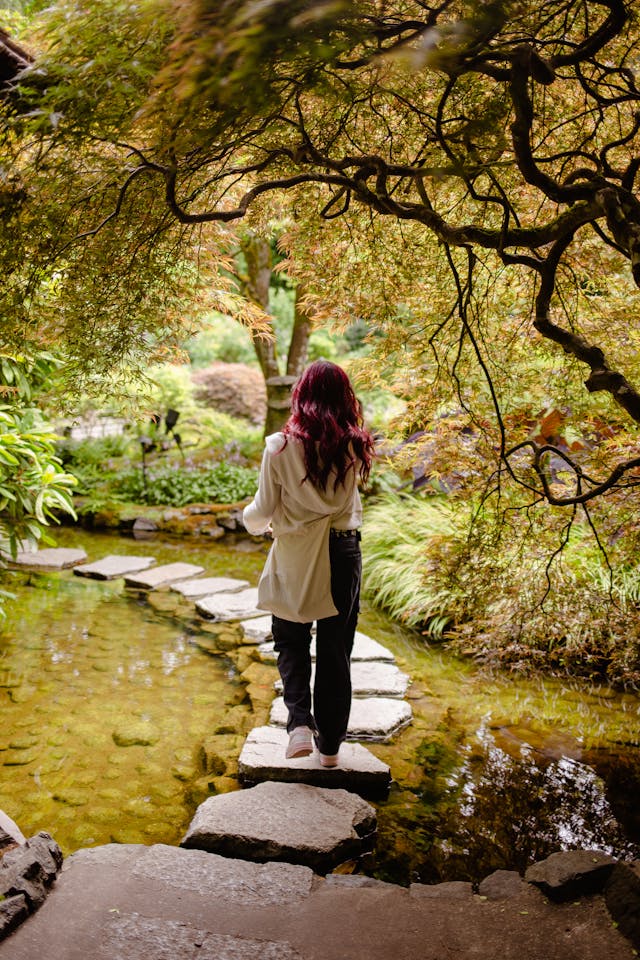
(308, 495)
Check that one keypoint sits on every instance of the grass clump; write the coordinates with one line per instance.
(502, 592)
(401, 573)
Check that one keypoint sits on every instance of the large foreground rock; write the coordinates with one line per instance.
(571, 873)
(372, 718)
(121, 902)
(27, 871)
(289, 822)
(262, 758)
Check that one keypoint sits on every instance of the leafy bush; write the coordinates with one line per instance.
(92, 451)
(33, 487)
(171, 486)
(219, 431)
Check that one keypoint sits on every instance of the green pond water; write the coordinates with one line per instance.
(121, 712)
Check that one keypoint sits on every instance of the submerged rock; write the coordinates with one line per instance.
(135, 734)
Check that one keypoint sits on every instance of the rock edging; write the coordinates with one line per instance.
(27, 871)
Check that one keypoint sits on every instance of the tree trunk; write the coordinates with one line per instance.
(255, 285)
(299, 346)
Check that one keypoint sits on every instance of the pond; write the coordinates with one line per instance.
(120, 715)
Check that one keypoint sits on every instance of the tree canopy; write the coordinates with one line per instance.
(504, 132)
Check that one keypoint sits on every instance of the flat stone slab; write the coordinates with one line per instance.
(257, 629)
(164, 574)
(230, 606)
(370, 678)
(291, 822)
(203, 586)
(262, 758)
(372, 718)
(111, 567)
(52, 558)
(364, 648)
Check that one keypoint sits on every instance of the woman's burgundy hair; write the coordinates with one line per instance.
(327, 418)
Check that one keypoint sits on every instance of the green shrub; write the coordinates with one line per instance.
(171, 486)
(220, 431)
(222, 339)
(92, 451)
(169, 387)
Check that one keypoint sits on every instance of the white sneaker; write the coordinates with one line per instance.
(328, 759)
(300, 743)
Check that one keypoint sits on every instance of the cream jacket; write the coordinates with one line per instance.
(296, 580)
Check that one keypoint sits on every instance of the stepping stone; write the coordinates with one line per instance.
(230, 606)
(372, 718)
(53, 558)
(161, 575)
(204, 586)
(364, 648)
(294, 822)
(258, 629)
(262, 758)
(370, 678)
(113, 566)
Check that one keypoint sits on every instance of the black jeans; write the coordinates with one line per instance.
(334, 643)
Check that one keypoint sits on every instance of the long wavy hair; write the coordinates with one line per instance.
(326, 418)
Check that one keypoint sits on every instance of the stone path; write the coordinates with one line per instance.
(126, 902)
(294, 788)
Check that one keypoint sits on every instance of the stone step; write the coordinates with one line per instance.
(165, 574)
(204, 586)
(113, 566)
(294, 822)
(372, 718)
(230, 606)
(364, 648)
(258, 628)
(262, 758)
(51, 558)
(370, 678)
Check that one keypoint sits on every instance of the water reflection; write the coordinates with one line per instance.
(480, 807)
